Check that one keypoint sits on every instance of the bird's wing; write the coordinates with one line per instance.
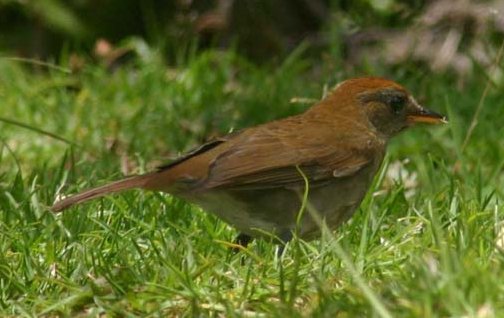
(195, 152)
(270, 157)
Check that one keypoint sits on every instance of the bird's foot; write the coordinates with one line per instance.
(242, 240)
(284, 238)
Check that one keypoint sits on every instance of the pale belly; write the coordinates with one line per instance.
(275, 211)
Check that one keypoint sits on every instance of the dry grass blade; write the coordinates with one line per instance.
(37, 62)
(474, 120)
(37, 130)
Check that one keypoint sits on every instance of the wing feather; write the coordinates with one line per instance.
(268, 157)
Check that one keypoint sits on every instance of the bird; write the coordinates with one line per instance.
(259, 179)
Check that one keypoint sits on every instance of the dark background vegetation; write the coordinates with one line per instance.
(351, 32)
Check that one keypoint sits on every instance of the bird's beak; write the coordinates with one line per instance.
(418, 114)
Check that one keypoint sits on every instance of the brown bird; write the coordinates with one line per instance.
(255, 179)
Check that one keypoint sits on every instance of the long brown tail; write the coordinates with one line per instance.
(117, 186)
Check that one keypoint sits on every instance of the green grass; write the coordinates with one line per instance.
(421, 248)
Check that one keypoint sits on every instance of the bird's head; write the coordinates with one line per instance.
(386, 105)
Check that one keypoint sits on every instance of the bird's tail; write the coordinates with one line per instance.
(117, 186)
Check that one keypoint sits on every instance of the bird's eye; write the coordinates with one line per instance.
(397, 103)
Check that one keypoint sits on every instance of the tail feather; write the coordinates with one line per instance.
(117, 186)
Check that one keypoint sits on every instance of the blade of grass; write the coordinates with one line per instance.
(37, 130)
(371, 296)
(37, 62)
(481, 102)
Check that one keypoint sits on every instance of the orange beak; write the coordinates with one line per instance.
(423, 115)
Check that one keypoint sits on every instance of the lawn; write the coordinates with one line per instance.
(428, 241)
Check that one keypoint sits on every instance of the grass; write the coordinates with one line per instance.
(424, 245)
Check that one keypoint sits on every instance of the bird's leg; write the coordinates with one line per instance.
(284, 238)
(243, 240)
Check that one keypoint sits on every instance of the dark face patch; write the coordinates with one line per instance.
(396, 102)
(386, 109)
(395, 99)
